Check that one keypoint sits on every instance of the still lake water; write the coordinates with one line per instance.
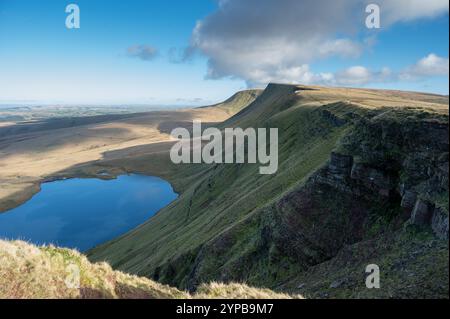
(82, 213)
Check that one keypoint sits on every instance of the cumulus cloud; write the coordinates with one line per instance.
(264, 41)
(431, 65)
(408, 10)
(143, 52)
(359, 75)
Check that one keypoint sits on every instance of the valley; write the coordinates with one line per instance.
(232, 224)
(38, 151)
(362, 179)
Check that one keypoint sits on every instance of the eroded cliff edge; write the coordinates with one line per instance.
(382, 198)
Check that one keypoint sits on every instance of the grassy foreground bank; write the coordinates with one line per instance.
(28, 271)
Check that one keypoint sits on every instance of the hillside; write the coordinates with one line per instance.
(27, 271)
(362, 179)
(32, 152)
(236, 102)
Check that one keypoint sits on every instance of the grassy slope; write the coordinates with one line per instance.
(27, 271)
(216, 228)
(413, 264)
(224, 195)
(236, 102)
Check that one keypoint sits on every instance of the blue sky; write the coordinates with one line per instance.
(232, 45)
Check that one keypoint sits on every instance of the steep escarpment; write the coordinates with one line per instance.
(358, 183)
(403, 155)
(223, 196)
(384, 191)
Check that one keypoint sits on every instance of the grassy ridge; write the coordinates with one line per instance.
(236, 102)
(223, 196)
(27, 271)
(232, 224)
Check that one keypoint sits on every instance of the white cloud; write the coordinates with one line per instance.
(263, 41)
(431, 65)
(143, 52)
(354, 75)
(341, 47)
(408, 10)
(359, 75)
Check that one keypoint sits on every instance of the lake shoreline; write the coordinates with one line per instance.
(119, 208)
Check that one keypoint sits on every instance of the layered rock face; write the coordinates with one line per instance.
(385, 182)
(391, 159)
(439, 223)
(386, 174)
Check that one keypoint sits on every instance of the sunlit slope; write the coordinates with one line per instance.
(231, 223)
(224, 195)
(34, 151)
(237, 102)
(31, 272)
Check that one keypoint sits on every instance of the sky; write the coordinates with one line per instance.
(178, 52)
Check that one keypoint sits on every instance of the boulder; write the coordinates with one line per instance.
(421, 214)
(338, 283)
(340, 165)
(442, 175)
(409, 199)
(439, 223)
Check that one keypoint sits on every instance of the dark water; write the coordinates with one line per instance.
(82, 213)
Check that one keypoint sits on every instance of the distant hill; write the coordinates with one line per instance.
(56, 146)
(238, 101)
(362, 179)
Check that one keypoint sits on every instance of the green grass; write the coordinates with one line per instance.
(233, 224)
(413, 264)
(222, 197)
(239, 100)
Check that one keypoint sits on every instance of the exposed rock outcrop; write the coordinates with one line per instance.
(405, 158)
(439, 223)
(409, 199)
(421, 214)
(372, 178)
(340, 165)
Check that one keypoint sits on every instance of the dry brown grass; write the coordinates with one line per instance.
(238, 291)
(372, 99)
(27, 159)
(30, 272)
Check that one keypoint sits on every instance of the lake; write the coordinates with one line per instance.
(82, 213)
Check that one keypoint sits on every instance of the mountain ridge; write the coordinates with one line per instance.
(228, 224)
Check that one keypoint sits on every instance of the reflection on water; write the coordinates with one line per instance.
(82, 213)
